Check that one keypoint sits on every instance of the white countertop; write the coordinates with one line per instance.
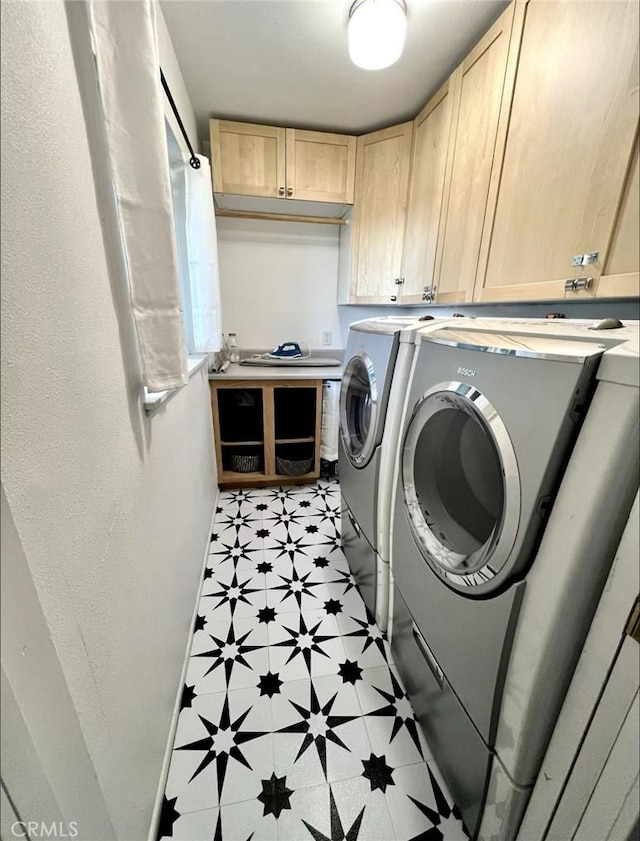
(278, 372)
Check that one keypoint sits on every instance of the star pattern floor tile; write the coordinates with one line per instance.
(294, 723)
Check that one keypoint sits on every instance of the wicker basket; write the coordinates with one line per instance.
(245, 462)
(293, 466)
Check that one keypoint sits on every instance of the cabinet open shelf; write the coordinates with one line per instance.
(267, 426)
(242, 478)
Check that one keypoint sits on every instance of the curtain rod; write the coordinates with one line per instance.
(193, 160)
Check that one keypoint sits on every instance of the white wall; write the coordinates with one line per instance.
(111, 508)
(40, 726)
(278, 281)
(173, 76)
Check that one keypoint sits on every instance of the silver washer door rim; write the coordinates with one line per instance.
(482, 568)
(359, 458)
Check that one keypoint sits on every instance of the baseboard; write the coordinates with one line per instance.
(164, 773)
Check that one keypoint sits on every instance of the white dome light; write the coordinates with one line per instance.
(377, 29)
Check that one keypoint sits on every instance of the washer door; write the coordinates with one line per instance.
(359, 409)
(461, 487)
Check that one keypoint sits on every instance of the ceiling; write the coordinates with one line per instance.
(286, 62)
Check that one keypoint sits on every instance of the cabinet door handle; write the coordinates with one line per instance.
(429, 294)
(281, 191)
(289, 191)
(577, 283)
(394, 298)
(585, 259)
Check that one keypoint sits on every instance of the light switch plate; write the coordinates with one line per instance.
(326, 337)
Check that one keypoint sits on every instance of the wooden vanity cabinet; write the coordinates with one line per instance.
(258, 423)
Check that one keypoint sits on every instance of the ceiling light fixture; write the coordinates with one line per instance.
(377, 29)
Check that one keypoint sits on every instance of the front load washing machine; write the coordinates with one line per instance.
(378, 360)
(506, 432)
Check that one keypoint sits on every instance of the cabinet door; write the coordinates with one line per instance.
(247, 159)
(483, 85)
(431, 130)
(569, 142)
(382, 181)
(621, 274)
(320, 166)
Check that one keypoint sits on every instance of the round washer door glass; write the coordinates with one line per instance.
(461, 485)
(358, 408)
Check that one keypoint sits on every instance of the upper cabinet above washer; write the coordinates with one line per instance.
(455, 137)
(621, 272)
(569, 143)
(272, 162)
(382, 183)
(431, 130)
(482, 90)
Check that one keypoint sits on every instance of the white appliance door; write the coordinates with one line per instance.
(359, 409)
(461, 486)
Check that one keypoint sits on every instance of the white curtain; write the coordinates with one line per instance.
(202, 252)
(128, 67)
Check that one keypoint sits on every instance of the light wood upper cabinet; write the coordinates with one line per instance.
(569, 143)
(320, 166)
(431, 130)
(256, 160)
(382, 181)
(482, 89)
(621, 275)
(247, 159)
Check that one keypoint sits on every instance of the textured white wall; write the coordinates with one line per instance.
(45, 761)
(173, 75)
(111, 508)
(278, 281)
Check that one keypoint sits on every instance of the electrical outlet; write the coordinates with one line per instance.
(326, 337)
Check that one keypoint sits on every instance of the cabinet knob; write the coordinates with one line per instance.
(281, 191)
(289, 191)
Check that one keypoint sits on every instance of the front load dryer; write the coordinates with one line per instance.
(378, 360)
(489, 432)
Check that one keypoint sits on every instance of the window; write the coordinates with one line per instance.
(178, 195)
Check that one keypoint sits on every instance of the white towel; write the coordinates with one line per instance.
(330, 420)
(128, 67)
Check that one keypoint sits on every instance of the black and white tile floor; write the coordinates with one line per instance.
(294, 724)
